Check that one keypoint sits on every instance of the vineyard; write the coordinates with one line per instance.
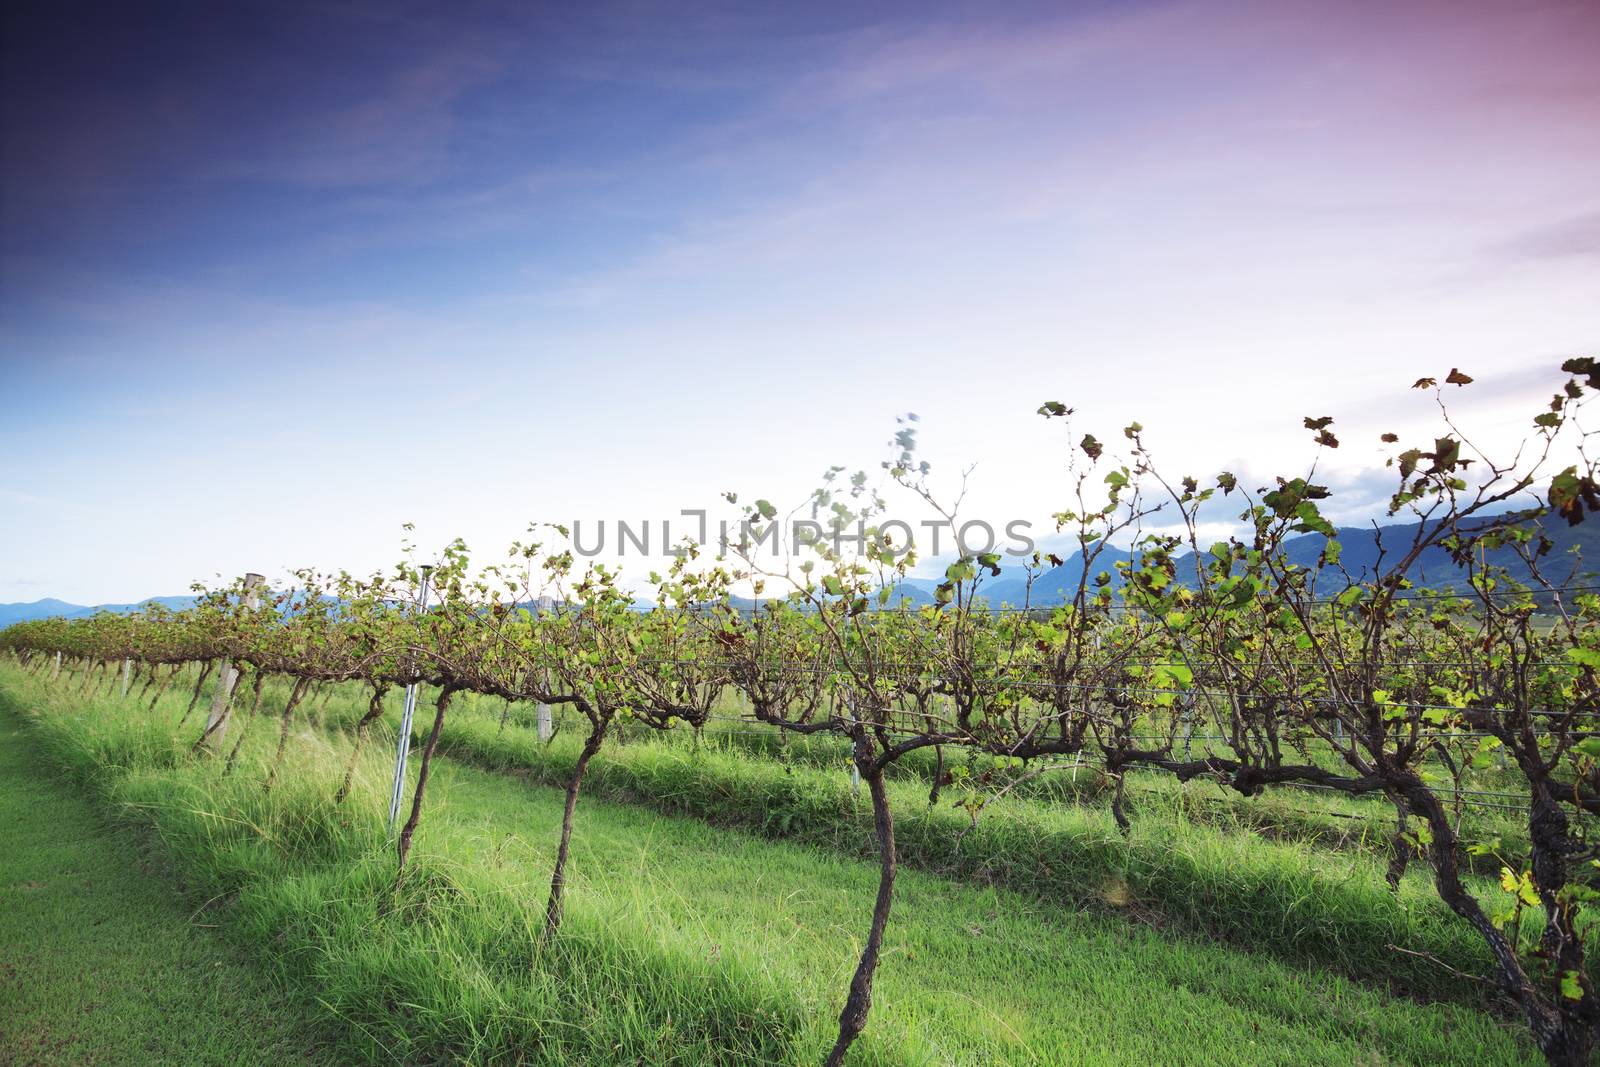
(1221, 799)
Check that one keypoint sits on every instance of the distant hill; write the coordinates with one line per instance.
(1055, 585)
(39, 609)
(1360, 556)
(50, 608)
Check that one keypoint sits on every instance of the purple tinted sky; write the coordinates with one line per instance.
(469, 265)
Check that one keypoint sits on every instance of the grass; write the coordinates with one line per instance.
(102, 962)
(1205, 877)
(1326, 819)
(688, 942)
(447, 968)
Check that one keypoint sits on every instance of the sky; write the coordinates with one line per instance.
(277, 279)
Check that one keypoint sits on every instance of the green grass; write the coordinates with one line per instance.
(102, 961)
(688, 942)
(971, 974)
(1277, 896)
(447, 969)
(1327, 819)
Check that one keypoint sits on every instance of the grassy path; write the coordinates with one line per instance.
(99, 961)
(970, 974)
(1283, 898)
(686, 942)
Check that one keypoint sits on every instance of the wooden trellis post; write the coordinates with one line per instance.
(222, 695)
(545, 729)
(544, 606)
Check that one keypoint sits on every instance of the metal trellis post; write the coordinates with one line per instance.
(403, 746)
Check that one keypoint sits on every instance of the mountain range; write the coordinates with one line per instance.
(1055, 585)
(50, 607)
(1360, 556)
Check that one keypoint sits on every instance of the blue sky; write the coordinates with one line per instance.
(275, 280)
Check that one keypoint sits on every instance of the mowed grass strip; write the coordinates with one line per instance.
(101, 960)
(1283, 898)
(446, 969)
(970, 974)
(714, 934)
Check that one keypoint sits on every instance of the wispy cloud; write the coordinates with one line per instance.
(1573, 237)
(398, 134)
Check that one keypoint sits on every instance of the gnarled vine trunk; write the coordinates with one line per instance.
(1399, 848)
(255, 706)
(299, 690)
(205, 672)
(166, 683)
(1119, 810)
(558, 878)
(374, 711)
(403, 846)
(1560, 1031)
(149, 680)
(853, 1019)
